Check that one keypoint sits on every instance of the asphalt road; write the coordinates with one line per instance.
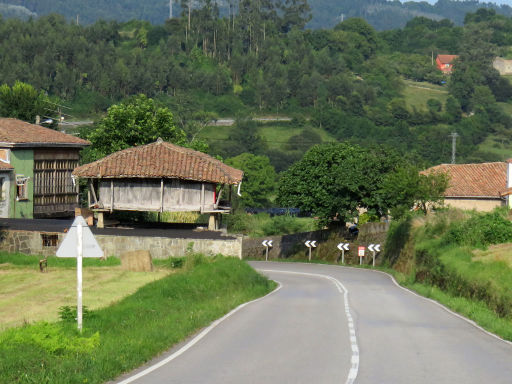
(329, 324)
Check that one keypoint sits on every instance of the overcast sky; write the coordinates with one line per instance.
(508, 2)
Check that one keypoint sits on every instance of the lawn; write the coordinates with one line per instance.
(417, 93)
(27, 295)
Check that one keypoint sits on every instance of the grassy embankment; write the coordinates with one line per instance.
(460, 259)
(124, 335)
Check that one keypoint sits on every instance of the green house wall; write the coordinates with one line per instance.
(23, 162)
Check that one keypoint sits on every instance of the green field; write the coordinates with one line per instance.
(27, 295)
(417, 93)
(275, 135)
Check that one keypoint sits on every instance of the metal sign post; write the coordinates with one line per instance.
(343, 247)
(267, 244)
(360, 253)
(79, 242)
(310, 244)
(79, 252)
(374, 248)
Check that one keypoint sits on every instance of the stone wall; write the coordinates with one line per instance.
(283, 246)
(31, 242)
(293, 245)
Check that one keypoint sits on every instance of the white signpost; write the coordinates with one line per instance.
(79, 242)
(267, 244)
(343, 247)
(310, 244)
(374, 248)
(360, 253)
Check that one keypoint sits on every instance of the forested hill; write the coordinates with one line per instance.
(381, 14)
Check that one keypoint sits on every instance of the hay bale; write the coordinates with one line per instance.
(137, 261)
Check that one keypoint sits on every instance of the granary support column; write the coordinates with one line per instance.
(213, 222)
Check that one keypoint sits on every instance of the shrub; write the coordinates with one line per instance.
(481, 230)
(54, 338)
(281, 225)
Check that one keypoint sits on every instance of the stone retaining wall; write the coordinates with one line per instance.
(31, 242)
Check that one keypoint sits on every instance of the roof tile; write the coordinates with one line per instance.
(161, 159)
(474, 180)
(14, 131)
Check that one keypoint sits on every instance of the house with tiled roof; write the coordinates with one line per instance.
(481, 186)
(35, 170)
(160, 177)
(445, 63)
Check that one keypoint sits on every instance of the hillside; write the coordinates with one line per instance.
(382, 14)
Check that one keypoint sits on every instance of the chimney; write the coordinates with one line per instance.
(38, 120)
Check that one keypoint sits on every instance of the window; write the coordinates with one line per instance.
(49, 240)
(4, 155)
(21, 187)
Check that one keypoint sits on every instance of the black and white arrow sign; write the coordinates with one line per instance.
(343, 246)
(310, 243)
(267, 243)
(374, 247)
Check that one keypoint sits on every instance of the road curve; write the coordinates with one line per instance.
(302, 333)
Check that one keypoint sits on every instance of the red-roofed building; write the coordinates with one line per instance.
(482, 186)
(160, 177)
(445, 63)
(35, 170)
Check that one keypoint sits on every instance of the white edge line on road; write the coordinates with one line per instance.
(469, 321)
(458, 315)
(354, 359)
(194, 341)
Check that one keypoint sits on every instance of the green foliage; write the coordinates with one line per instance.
(134, 330)
(480, 230)
(22, 101)
(54, 339)
(68, 313)
(335, 180)
(262, 224)
(282, 225)
(259, 180)
(136, 121)
(406, 188)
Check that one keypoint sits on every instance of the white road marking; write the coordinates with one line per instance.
(192, 342)
(354, 360)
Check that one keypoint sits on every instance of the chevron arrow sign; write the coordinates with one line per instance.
(344, 246)
(267, 243)
(374, 247)
(310, 243)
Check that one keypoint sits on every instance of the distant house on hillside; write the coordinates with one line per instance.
(503, 66)
(444, 63)
(35, 170)
(160, 177)
(482, 186)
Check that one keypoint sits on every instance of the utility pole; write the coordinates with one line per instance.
(454, 136)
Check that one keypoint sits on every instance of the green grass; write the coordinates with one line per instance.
(416, 94)
(500, 147)
(124, 336)
(275, 135)
(21, 259)
(262, 224)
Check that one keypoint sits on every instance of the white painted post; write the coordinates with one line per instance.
(79, 276)
(266, 252)
(360, 260)
(309, 253)
(342, 256)
(373, 258)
